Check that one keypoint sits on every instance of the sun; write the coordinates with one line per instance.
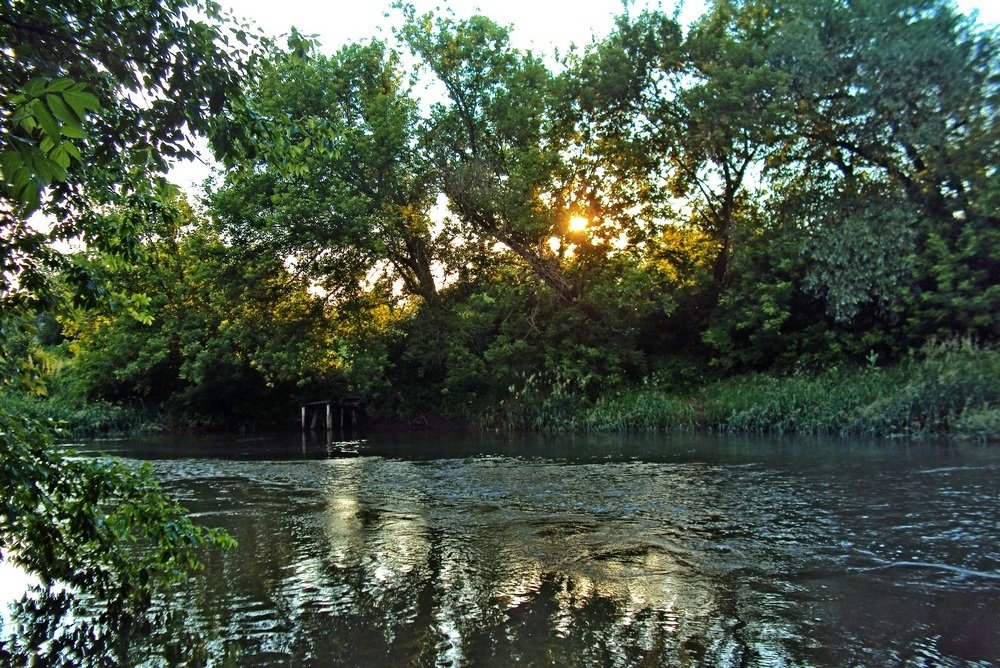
(578, 223)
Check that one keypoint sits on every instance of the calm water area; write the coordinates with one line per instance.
(684, 550)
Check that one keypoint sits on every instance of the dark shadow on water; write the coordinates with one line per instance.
(56, 627)
(461, 444)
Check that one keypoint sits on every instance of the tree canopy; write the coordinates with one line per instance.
(97, 99)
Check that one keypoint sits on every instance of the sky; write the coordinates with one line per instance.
(541, 25)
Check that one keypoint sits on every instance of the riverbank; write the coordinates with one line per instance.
(947, 390)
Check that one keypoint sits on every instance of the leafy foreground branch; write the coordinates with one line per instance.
(90, 529)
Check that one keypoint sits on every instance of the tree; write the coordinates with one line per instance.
(95, 98)
(698, 110)
(902, 97)
(221, 337)
(331, 177)
(491, 143)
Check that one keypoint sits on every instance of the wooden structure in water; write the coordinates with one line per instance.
(349, 407)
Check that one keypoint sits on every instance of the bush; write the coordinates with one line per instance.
(923, 396)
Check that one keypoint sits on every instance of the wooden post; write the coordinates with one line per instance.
(303, 418)
(329, 416)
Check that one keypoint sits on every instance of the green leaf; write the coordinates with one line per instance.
(61, 158)
(50, 125)
(73, 132)
(28, 122)
(60, 85)
(36, 87)
(28, 195)
(72, 151)
(81, 101)
(10, 161)
(62, 111)
(44, 170)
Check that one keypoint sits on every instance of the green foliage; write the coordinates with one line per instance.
(956, 287)
(93, 525)
(499, 150)
(978, 423)
(947, 387)
(46, 115)
(76, 416)
(95, 99)
(950, 389)
(953, 377)
(642, 410)
(760, 195)
(897, 99)
(68, 542)
(329, 176)
(221, 335)
(857, 237)
(746, 210)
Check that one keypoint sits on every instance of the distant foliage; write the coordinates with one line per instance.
(780, 188)
(219, 334)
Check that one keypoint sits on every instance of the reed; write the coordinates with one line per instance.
(949, 388)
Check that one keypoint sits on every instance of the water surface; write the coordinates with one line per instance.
(435, 549)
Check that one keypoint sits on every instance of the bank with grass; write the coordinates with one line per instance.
(946, 390)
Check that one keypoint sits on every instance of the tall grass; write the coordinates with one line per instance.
(645, 409)
(80, 419)
(947, 389)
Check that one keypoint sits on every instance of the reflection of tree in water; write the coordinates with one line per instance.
(367, 562)
(434, 580)
(55, 627)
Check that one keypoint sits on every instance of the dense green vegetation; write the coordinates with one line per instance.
(782, 217)
(95, 98)
(782, 192)
(948, 389)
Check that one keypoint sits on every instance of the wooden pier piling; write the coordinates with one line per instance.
(350, 407)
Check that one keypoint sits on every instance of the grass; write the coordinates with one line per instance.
(948, 389)
(80, 419)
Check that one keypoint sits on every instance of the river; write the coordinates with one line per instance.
(688, 550)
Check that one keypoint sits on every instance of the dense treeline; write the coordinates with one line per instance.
(450, 225)
(780, 186)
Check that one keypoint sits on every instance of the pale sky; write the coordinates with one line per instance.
(541, 25)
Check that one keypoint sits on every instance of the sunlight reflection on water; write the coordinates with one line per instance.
(682, 553)
(14, 584)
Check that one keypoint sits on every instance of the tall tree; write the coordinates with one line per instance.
(330, 176)
(904, 95)
(490, 141)
(687, 118)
